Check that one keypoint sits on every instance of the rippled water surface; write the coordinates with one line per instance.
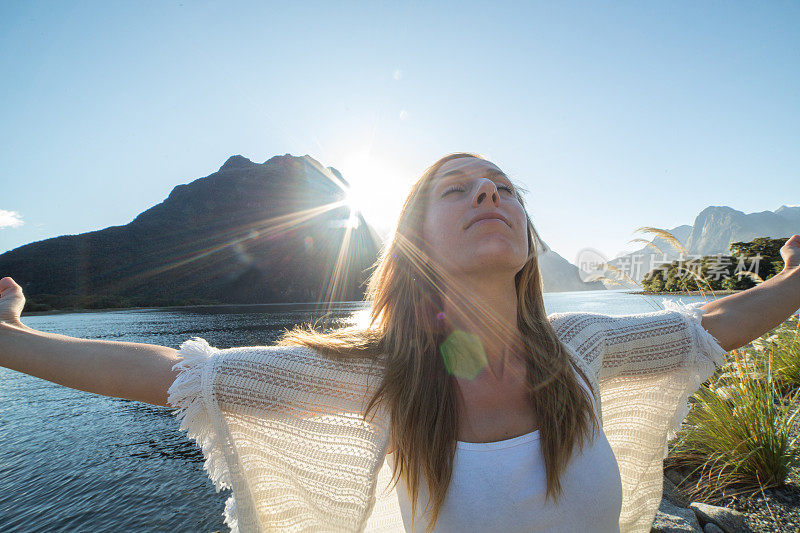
(76, 461)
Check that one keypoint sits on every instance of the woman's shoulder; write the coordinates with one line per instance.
(296, 362)
(276, 377)
(296, 359)
(578, 328)
(582, 335)
(575, 317)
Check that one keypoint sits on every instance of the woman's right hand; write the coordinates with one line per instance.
(11, 301)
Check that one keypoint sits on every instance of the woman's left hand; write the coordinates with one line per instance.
(790, 252)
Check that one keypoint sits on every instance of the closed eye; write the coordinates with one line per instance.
(461, 188)
(453, 188)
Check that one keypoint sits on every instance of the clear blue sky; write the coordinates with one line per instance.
(613, 115)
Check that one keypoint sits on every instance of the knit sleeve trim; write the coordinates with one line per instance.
(190, 393)
(706, 356)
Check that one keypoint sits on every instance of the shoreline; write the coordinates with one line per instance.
(98, 310)
(684, 293)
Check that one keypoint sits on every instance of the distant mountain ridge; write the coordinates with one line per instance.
(714, 229)
(248, 233)
(718, 226)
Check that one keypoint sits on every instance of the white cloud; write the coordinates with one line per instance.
(10, 219)
(403, 114)
(397, 74)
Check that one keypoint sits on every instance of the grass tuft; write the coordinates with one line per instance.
(736, 438)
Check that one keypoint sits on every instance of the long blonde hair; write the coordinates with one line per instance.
(417, 388)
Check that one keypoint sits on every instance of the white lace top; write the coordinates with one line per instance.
(500, 486)
(282, 427)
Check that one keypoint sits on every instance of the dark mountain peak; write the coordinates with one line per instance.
(248, 189)
(282, 159)
(304, 164)
(286, 163)
(236, 162)
(311, 169)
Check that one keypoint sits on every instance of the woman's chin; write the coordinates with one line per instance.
(494, 259)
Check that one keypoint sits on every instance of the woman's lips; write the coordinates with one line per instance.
(482, 217)
(489, 220)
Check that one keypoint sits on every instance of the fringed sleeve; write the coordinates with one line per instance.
(189, 393)
(651, 364)
(282, 427)
(647, 366)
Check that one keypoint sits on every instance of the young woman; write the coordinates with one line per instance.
(479, 406)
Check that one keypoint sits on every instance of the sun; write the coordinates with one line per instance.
(377, 187)
(352, 204)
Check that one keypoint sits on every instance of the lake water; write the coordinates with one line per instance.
(76, 461)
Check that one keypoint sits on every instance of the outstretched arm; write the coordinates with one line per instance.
(740, 318)
(141, 372)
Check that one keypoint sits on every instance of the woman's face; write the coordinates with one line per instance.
(473, 222)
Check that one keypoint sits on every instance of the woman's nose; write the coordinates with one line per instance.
(487, 190)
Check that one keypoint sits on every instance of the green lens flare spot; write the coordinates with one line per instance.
(463, 354)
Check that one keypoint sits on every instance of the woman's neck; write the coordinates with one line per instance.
(488, 310)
